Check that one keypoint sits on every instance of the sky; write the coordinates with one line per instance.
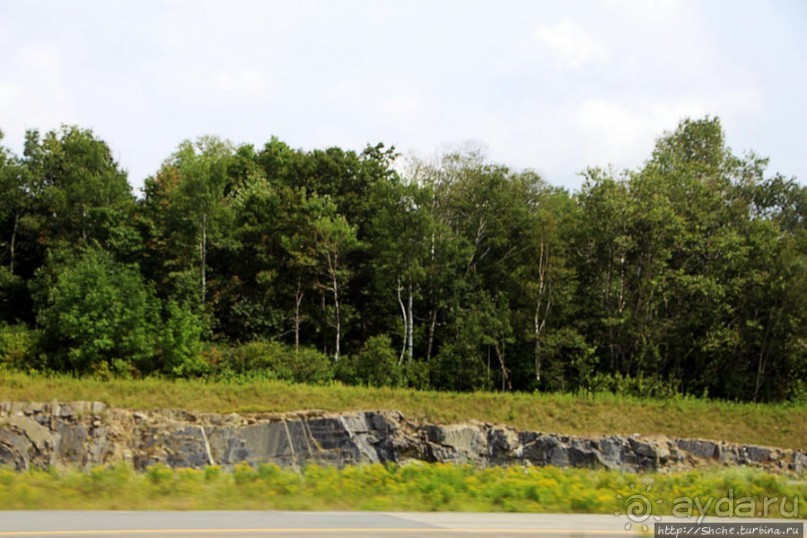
(551, 86)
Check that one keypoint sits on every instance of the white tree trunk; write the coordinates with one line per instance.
(13, 243)
(410, 328)
(432, 329)
(543, 302)
(298, 299)
(203, 257)
(333, 263)
(405, 323)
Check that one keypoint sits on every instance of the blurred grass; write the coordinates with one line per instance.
(418, 487)
(782, 425)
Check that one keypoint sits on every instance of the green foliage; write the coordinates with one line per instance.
(14, 296)
(84, 194)
(179, 348)
(571, 363)
(417, 374)
(414, 487)
(92, 309)
(687, 273)
(375, 365)
(640, 386)
(187, 212)
(18, 346)
(459, 369)
(305, 365)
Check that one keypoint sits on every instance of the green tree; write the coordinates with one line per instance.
(376, 365)
(335, 239)
(187, 205)
(179, 346)
(544, 282)
(274, 260)
(399, 238)
(17, 199)
(18, 194)
(84, 195)
(687, 267)
(93, 310)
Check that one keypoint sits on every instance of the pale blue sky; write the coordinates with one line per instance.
(552, 86)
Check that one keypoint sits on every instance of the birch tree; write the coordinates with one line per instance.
(335, 239)
(189, 200)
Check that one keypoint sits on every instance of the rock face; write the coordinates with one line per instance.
(86, 434)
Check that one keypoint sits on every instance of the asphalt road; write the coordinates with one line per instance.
(332, 524)
(29, 524)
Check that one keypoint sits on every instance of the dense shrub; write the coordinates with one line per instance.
(15, 299)
(459, 368)
(375, 365)
(94, 310)
(305, 365)
(18, 346)
(179, 345)
(639, 386)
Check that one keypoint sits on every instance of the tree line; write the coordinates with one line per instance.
(687, 275)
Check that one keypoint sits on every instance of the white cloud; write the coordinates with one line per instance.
(611, 133)
(243, 84)
(33, 92)
(624, 135)
(573, 45)
(9, 94)
(402, 108)
(646, 12)
(622, 132)
(551, 86)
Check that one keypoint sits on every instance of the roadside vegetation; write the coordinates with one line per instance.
(686, 276)
(783, 425)
(430, 487)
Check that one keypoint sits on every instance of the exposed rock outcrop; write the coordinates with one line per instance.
(85, 434)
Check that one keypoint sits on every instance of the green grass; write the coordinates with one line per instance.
(601, 414)
(431, 487)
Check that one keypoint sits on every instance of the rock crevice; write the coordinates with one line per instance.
(87, 434)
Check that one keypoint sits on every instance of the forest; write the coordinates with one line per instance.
(685, 276)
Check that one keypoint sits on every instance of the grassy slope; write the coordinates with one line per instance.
(775, 425)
